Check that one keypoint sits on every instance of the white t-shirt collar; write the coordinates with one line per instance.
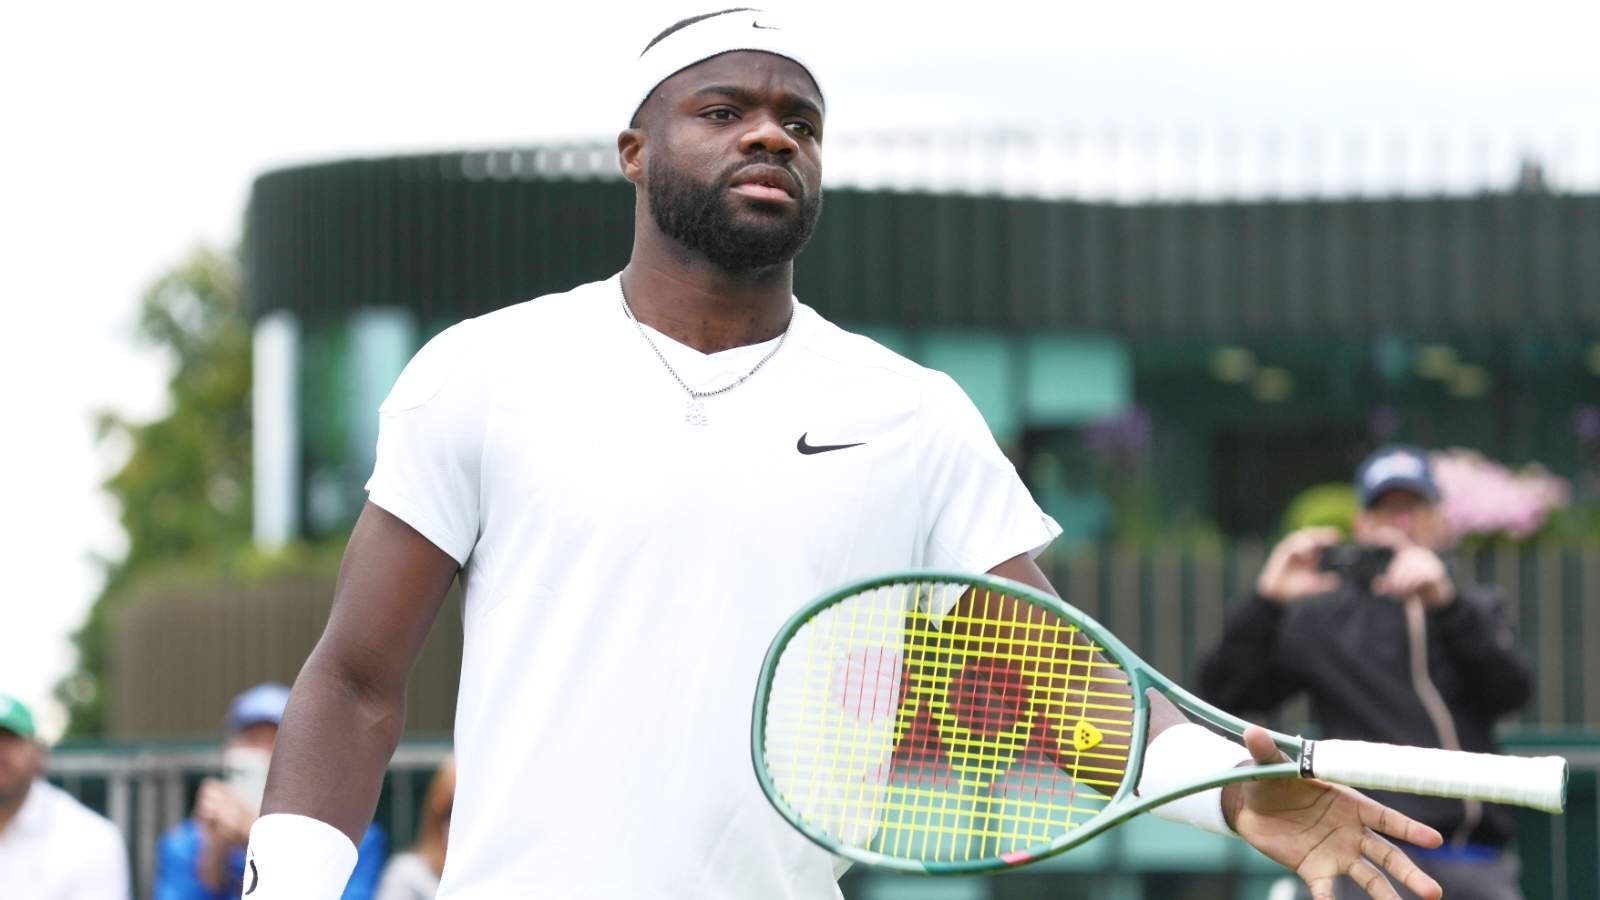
(709, 370)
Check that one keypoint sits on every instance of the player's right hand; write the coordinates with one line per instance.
(1291, 571)
(1323, 830)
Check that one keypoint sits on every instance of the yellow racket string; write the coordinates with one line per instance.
(926, 721)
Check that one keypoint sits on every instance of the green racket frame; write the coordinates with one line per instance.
(1123, 804)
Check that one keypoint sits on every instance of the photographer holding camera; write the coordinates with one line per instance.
(1390, 646)
(203, 857)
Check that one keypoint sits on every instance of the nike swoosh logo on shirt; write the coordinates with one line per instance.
(765, 27)
(255, 878)
(809, 449)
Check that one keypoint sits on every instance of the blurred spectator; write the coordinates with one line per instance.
(202, 858)
(1403, 653)
(51, 846)
(414, 875)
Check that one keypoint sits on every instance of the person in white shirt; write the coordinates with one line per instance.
(414, 874)
(639, 480)
(51, 846)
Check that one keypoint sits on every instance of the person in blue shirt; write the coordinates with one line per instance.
(202, 858)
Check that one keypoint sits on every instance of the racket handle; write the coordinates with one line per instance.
(1539, 782)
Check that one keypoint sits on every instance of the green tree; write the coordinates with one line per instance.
(184, 489)
(1323, 505)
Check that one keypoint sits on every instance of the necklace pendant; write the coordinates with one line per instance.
(695, 413)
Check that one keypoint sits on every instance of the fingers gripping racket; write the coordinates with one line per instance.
(948, 723)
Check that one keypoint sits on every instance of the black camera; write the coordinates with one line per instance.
(1356, 564)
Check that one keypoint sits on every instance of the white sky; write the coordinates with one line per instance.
(132, 132)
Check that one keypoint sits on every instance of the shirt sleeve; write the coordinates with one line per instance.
(105, 866)
(976, 511)
(176, 856)
(370, 857)
(407, 877)
(430, 443)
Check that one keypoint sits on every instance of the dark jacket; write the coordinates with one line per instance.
(1350, 652)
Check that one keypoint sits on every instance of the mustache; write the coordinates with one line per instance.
(765, 159)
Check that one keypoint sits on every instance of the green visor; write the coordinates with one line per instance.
(14, 717)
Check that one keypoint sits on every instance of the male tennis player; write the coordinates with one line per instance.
(638, 481)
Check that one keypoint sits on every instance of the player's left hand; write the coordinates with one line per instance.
(1322, 831)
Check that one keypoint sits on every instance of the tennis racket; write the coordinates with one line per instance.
(945, 723)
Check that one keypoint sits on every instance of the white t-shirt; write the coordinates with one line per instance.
(58, 849)
(408, 877)
(625, 572)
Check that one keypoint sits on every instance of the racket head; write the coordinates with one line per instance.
(907, 721)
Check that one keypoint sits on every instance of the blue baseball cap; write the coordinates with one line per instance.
(1397, 467)
(262, 703)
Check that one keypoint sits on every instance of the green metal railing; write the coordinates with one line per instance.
(1167, 604)
(146, 789)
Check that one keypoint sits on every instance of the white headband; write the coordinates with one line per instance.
(719, 33)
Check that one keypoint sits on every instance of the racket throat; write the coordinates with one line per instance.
(1307, 767)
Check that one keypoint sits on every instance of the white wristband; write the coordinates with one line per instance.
(297, 858)
(1181, 755)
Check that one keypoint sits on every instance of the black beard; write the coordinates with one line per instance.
(700, 217)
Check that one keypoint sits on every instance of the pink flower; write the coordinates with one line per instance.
(1480, 496)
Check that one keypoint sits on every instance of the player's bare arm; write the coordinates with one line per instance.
(347, 709)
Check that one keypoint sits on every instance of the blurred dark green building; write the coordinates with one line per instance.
(1157, 369)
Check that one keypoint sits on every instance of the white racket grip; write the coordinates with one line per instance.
(1539, 782)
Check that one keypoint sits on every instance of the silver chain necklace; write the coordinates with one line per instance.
(695, 412)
